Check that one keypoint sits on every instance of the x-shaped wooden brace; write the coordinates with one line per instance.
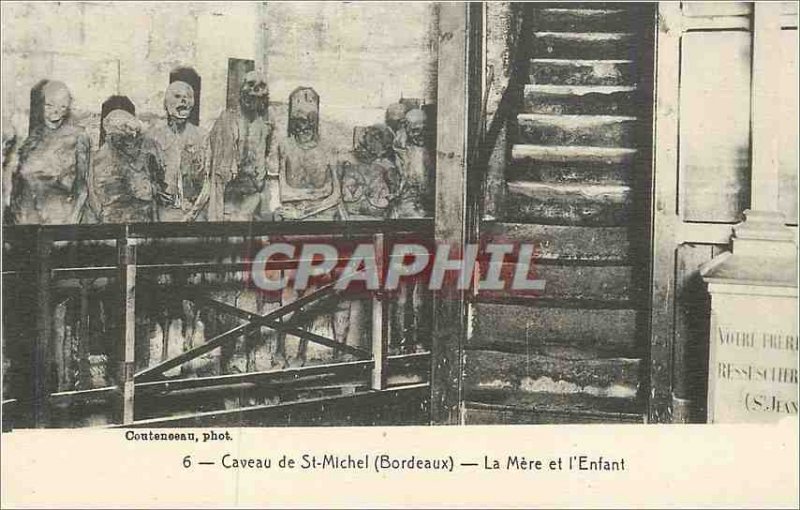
(254, 322)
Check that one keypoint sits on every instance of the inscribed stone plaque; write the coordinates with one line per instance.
(753, 368)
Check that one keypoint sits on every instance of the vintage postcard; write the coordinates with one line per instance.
(403, 254)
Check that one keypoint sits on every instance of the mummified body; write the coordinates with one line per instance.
(126, 183)
(239, 144)
(416, 167)
(183, 145)
(49, 184)
(304, 162)
(371, 180)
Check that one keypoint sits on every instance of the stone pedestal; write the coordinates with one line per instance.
(753, 352)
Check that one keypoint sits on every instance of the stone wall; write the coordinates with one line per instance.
(359, 57)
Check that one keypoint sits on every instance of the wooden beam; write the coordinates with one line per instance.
(665, 219)
(243, 329)
(450, 311)
(44, 327)
(387, 407)
(127, 259)
(282, 327)
(262, 39)
(379, 321)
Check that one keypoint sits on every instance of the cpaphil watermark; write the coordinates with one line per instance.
(486, 268)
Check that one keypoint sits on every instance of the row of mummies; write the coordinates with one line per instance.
(242, 170)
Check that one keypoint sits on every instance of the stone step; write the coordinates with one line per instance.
(532, 374)
(582, 100)
(585, 333)
(525, 153)
(587, 19)
(553, 409)
(575, 282)
(585, 45)
(627, 5)
(567, 204)
(585, 173)
(583, 130)
(535, 163)
(565, 243)
(553, 71)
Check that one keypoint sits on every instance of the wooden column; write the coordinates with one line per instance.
(42, 359)
(262, 40)
(665, 219)
(450, 317)
(127, 264)
(379, 321)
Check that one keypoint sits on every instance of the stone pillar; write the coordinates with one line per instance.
(753, 367)
(753, 364)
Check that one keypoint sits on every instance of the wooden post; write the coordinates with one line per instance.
(127, 263)
(450, 317)
(41, 352)
(83, 378)
(665, 219)
(379, 321)
(262, 40)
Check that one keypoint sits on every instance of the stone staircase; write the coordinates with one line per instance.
(576, 186)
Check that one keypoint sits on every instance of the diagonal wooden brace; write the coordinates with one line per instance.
(283, 327)
(255, 321)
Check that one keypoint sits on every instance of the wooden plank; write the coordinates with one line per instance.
(449, 324)
(665, 163)
(405, 405)
(397, 364)
(224, 229)
(237, 68)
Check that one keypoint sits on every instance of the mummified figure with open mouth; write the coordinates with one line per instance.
(49, 182)
(183, 146)
(239, 146)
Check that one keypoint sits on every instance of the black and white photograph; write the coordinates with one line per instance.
(345, 214)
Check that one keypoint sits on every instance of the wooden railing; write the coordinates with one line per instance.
(40, 260)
